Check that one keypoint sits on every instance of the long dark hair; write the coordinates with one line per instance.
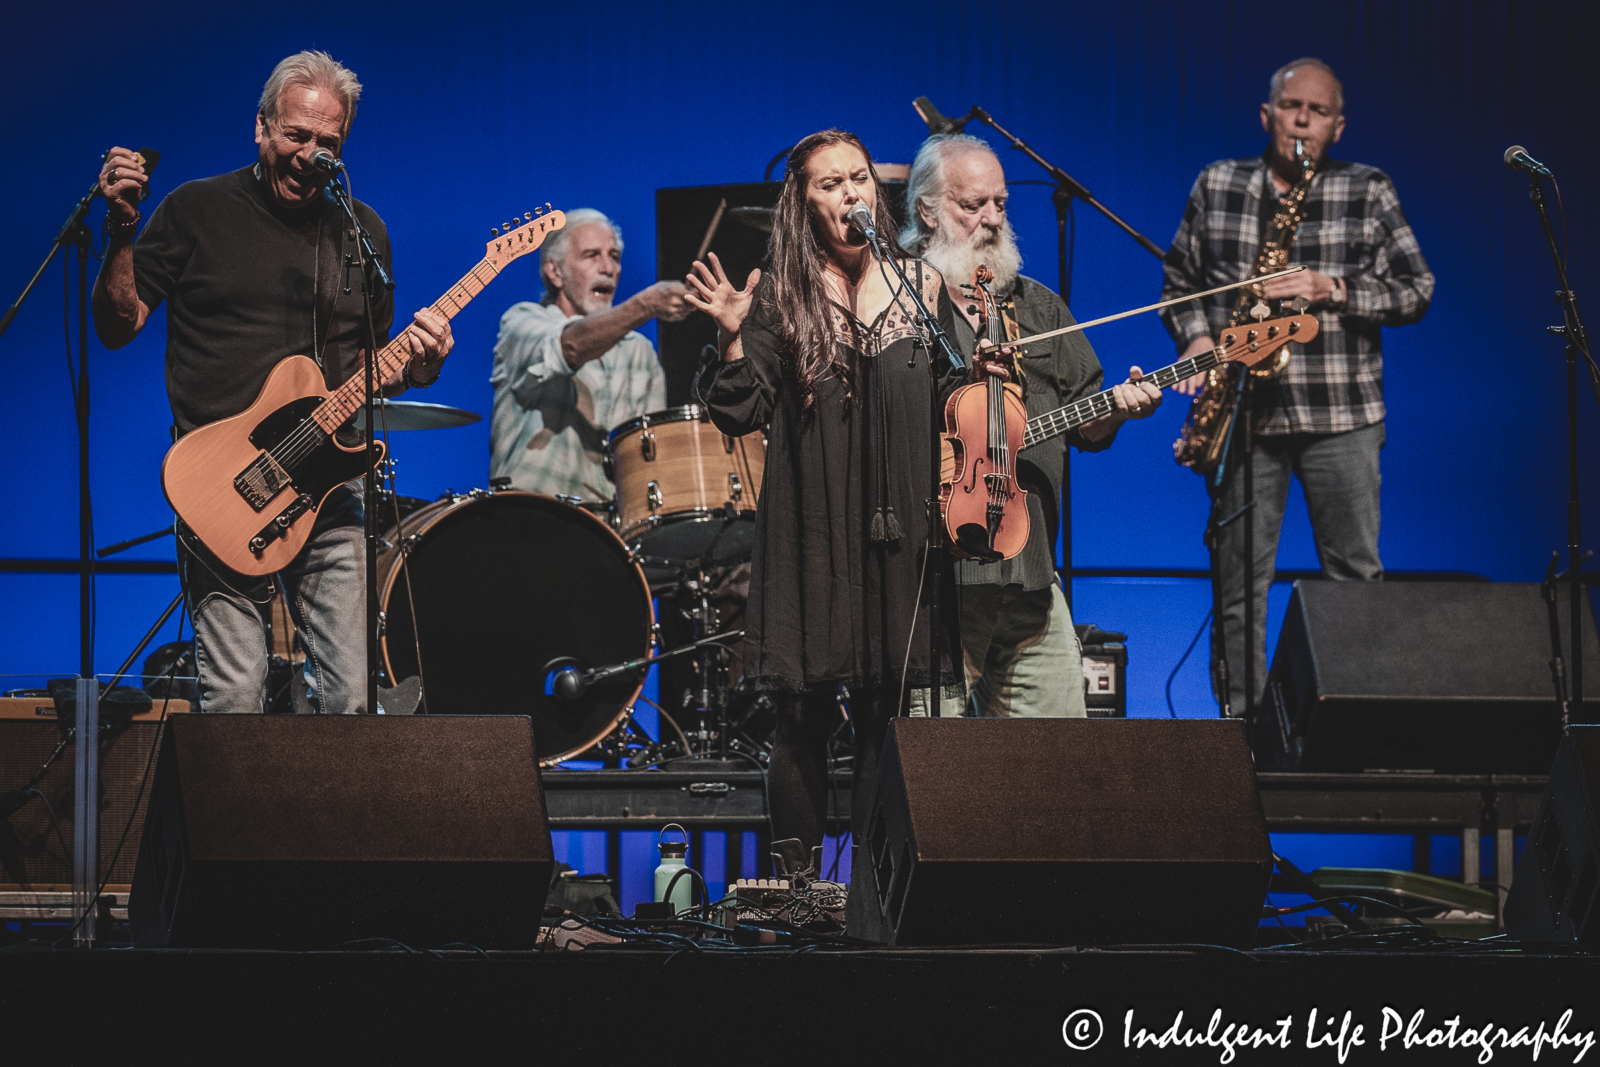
(798, 296)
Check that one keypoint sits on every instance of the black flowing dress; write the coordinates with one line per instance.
(841, 530)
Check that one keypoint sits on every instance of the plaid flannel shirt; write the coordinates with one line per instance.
(1353, 229)
(550, 422)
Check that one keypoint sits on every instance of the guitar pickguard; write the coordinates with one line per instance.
(324, 466)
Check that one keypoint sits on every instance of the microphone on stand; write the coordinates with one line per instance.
(1517, 158)
(324, 162)
(937, 123)
(861, 219)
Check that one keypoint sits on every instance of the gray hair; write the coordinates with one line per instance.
(554, 249)
(926, 185)
(1281, 78)
(318, 70)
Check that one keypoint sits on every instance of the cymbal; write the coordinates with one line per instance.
(416, 415)
(757, 218)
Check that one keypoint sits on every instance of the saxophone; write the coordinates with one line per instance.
(1205, 432)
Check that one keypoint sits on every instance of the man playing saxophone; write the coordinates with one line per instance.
(1321, 418)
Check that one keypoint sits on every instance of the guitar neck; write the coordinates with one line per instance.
(349, 397)
(1057, 422)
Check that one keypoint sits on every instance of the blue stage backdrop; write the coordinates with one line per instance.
(475, 113)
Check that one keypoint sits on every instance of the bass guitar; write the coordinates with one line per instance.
(1248, 345)
(248, 487)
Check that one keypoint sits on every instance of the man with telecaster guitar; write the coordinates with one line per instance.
(255, 267)
(1322, 417)
(1021, 652)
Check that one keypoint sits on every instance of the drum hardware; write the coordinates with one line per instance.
(653, 495)
(566, 681)
(647, 447)
(735, 488)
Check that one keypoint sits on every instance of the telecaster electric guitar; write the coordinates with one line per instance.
(1248, 344)
(249, 486)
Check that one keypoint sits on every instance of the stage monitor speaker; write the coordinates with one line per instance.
(280, 831)
(1062, 831)
(738, 220)
(1553, 897)
(1452, 677)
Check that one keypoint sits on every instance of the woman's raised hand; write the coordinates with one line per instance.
(711, 292)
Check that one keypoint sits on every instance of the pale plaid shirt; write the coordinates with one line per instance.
(551, 422)
(1353, 229)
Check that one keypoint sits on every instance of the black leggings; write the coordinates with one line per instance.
(797, 777)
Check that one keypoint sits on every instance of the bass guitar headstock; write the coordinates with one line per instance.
(1252, 343)
(515, 239)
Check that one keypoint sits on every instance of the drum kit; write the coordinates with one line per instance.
(497, 601)
(508, 602)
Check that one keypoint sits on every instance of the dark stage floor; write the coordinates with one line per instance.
(781, 1005)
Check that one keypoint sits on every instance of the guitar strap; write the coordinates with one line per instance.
(325, 280)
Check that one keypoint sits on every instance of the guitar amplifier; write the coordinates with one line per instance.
(1105, 672)
(36, 838)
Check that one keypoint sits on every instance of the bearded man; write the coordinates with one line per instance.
(571, 368)
(1022, 654)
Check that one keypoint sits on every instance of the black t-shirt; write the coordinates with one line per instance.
(241, 277)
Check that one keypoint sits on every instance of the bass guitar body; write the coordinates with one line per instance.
(985, 511)
(251, 510)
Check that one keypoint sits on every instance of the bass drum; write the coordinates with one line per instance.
(510, 586)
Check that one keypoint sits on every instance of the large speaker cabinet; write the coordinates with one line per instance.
(1558, 879)
(314, 831)
(1062, 831)
(1434, 676)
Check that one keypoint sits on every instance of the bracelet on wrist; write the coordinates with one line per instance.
(122, 229)
(410, 380)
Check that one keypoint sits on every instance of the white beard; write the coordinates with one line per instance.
(957, 259)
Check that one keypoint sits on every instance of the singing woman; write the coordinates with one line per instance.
(832, 362)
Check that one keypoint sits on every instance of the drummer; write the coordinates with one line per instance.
(573, 366)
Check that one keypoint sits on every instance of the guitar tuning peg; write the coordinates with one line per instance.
(506, 226)
(494, 231)
(527, 216)
(1260, 311)
(1299, 303)
(546, 208)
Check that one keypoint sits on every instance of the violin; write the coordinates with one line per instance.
(984, 512)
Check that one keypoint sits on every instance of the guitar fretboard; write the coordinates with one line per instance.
(349, 397)
(1062, 419)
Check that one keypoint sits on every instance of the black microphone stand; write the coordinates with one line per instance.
(1577, 343)
(373, 273)
(1067, 190)
(75, 234)
(934, 564)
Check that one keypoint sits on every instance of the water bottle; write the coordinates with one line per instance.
(673, 860)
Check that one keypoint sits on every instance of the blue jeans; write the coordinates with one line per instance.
(1340, 478)
(325, 590)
